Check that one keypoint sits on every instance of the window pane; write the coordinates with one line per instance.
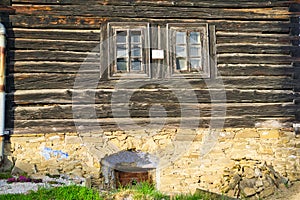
(121, 64)
(180, 37)
(122, 51)
(180, 51)
(195, 38)
(136, 51)
(195, 51)
(181, 64)
(195, 65)
(136, 65)
(136, 36)
(121, 36)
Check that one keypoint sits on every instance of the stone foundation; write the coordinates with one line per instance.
(182, 167)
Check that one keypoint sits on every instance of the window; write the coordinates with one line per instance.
(188, 49)
(129, 49)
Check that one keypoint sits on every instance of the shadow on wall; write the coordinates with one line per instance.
(9, 84)
(7, 164)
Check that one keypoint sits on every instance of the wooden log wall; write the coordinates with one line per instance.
(49, 39)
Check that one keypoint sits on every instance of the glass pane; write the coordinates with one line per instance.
(122, 51)
(121, 64)
(136, 65)
(136, 51)
(195, 65)
(180, 51)
(195, 37)
(121, 36)
(181, 64)
(195, 51)
(180, 37)
(136, 36)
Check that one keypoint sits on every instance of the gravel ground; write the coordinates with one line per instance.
(18, 187)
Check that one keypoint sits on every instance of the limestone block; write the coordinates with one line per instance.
(294, 176)
(259, 183)
(247, 133)
(69, 166)
(267, 192)
(269, 134)
(238, 155)
(160, 137)
(249, 172)
(54, 172)
(37, 140)
(149, 145)
(266, 150)
(77, 172)
(284, 140)
(92, 140)
(248, 191)
(73, 140)
(208, 178)
(56, 137)
(15, 139)
(88, 182)
(117, 142)
(23, 166)
(122, 137)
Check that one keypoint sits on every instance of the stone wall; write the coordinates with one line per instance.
(183, 166)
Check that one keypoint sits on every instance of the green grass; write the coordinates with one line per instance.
(141, 191)
(5, 175)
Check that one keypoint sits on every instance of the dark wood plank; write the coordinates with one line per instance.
(255, 70)
(255, 48)
(51, 67)
(56, 21)
(98, 126)
(52, 34)
(153, 12)
(247, 58)
(79, 22)
(257, 38)
(48, 55)
(45, 97)
(189, 3)
(60, 44)
(143, 110)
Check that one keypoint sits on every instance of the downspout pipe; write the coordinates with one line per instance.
(2, 90)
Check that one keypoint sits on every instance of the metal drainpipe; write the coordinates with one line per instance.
(2, 90)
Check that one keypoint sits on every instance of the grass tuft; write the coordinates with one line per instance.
(140, 191)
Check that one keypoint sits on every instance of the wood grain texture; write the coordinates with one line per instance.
(45, 97)
(50, 41)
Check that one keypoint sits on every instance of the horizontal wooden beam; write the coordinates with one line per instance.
(143, 110)
(45, 97)
(187, 3)
(100, 125)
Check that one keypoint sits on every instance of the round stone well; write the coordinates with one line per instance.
(128, 168)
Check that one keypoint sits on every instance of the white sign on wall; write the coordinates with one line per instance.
(157, 54)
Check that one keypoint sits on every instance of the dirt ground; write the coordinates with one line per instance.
(291, 193)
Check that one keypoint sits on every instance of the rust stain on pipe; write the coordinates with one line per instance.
(2, 69)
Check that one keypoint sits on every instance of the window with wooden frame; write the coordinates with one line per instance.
(188, 47)
(129, 50)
